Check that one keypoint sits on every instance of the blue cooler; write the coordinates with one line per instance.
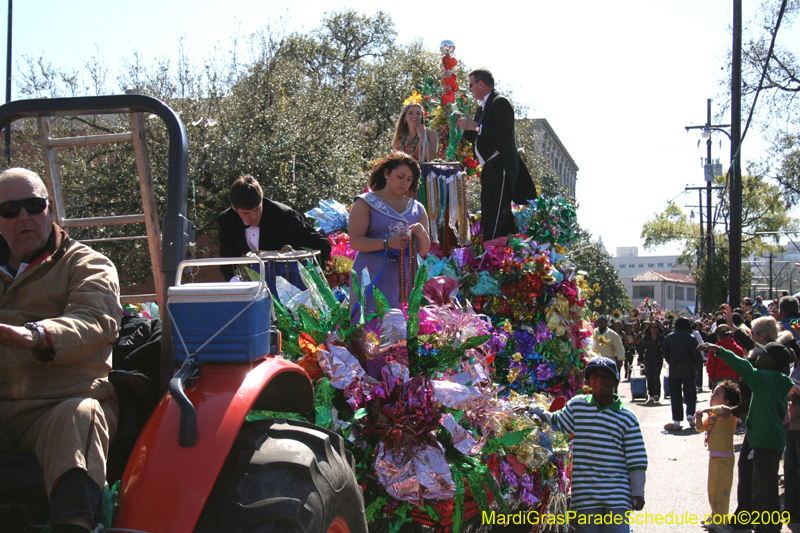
(199, 310)
(638, 384)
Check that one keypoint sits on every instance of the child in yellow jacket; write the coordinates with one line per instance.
(719, 428)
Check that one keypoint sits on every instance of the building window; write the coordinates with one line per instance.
(661, 265)
(644, 291)
(650, 265)
(632, 266)
(669, 264)
(641, 265)
(669, 292)
(679, 293)
(690, 293)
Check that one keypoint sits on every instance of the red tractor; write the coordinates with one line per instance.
(192, 462)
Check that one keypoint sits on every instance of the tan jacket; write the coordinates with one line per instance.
(74, 293)
(608, 344)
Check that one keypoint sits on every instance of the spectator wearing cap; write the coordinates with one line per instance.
(609, 459)
(680, 353)
(718, 370)
(770, 384)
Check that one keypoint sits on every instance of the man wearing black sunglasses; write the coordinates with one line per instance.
(59, 314)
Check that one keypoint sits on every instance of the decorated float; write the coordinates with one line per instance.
(432, 398)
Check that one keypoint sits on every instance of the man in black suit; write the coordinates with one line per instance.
(504, 176)
(254, 223)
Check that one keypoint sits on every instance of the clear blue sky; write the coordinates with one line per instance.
(617, 80)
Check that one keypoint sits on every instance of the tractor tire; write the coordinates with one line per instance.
(285, 476)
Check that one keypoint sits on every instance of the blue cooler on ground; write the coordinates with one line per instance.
(237, 315)
(638, 384)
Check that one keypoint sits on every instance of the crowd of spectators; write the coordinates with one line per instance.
(752, 359)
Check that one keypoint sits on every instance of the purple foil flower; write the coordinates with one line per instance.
(531, 492)
(521, 366)
(544, 372)
(508, 474)
(542, 333)
(524, 342)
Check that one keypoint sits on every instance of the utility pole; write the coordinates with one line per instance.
(700, 254)
(700, 210)
(709, 229)
(7, 134)
(771, 281)
(710, 170)
(735, 257)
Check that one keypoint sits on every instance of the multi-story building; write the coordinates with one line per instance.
(674, 291)
(659, 277)
(550, 146)
(631, 265)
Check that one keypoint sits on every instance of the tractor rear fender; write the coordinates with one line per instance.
(165, 486)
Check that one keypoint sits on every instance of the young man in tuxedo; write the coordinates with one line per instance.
(255, 223)
(504, 177)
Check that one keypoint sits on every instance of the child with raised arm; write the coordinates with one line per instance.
(766, 434)
(719, 428)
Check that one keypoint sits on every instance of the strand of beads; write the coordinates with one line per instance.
(402, 279)
(422, 191)
(406, 279)
(412, 260)
(433, 209)
(463, 209)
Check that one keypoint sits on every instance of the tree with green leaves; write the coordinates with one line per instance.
(305, 113)
(764, 216)
(771, 83)
(589, 256)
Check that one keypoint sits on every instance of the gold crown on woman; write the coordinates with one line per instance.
(414, 99)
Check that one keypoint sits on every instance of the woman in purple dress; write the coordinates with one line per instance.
(383, 223)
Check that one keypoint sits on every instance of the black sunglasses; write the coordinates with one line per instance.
(33, 206)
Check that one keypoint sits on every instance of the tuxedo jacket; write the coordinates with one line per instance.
(497, 135)
(280, 225)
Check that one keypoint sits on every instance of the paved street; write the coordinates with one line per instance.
(678, 466)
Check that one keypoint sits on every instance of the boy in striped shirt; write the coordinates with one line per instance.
(608, 454)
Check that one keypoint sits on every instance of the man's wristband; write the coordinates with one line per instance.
(386, 244)
(37, 328)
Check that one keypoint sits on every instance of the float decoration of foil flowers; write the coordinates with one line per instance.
(431, 398)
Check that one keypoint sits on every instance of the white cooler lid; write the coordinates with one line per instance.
(216, 292)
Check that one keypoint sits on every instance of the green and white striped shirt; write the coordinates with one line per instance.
(606, 446)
